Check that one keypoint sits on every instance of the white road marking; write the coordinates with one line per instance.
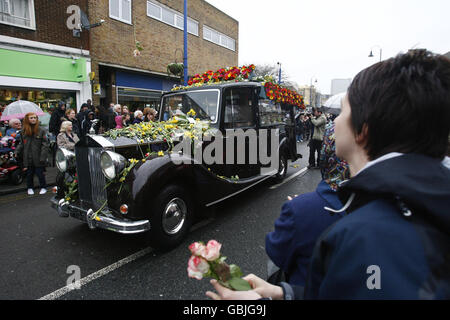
(60, 292)
(63, 291)
(290, 178)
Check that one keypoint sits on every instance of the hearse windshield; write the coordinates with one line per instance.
(205, 103)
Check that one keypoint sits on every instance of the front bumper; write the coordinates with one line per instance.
(109, 222)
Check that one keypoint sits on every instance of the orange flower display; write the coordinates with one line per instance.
(229, 74)
(282, 95)
(273, 91)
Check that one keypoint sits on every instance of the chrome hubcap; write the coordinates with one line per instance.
(174, 216)
(282, 168)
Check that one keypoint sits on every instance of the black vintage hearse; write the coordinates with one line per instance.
(162, 196)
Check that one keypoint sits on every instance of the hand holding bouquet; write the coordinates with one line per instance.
(206, 261)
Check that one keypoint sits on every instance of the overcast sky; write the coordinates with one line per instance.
(331, 39)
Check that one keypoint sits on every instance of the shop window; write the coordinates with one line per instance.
(171, 17)
(120, 10)
(18, 13)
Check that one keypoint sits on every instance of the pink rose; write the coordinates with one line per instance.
(197, 248)
(212, 251)
(197, 267)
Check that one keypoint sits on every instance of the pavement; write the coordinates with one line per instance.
(7, 187)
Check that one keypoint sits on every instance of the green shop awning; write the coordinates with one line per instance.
(37, 66)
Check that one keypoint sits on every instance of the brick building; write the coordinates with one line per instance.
(43, 60)
(40, 59)
(158, 27)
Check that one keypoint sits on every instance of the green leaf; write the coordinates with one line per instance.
(235, 271)
(239, 284)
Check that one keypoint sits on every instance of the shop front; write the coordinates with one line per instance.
(43, 79)
(46, 99)
(138, 90)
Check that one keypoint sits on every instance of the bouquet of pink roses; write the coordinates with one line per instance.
(206, 261)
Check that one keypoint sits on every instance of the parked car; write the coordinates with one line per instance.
(164, 189)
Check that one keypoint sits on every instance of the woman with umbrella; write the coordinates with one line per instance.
(33, 150)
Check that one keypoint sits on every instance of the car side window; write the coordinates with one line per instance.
(270, 113)
(238, 108)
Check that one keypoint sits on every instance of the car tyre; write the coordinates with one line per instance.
(16, 177)
(171, 218)
(282, 168)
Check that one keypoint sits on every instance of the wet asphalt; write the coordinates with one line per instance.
(37, 247)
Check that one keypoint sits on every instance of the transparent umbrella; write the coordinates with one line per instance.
(19, 109)
(333, 104)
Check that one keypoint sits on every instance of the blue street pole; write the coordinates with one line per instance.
(185, 45)
(279, 74)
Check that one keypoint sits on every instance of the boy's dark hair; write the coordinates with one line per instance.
(405, 103)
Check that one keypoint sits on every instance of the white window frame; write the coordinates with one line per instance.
(221, 36)
(32, 16)
(9, 7)
(148, 11)
(121, 12)
(175, 15)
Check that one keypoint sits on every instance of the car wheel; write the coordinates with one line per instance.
(171, 218)
(282, 168)
(16, 177)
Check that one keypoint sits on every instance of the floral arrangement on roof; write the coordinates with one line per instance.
(283, 95)
(274, 91)
(228, 74)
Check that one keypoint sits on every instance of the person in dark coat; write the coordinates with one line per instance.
(395, 239)
(57, 118)
(87, 123)
(32, 150)
(110, 117)
(303, 219)
(138, 117)
(300, 128)
(81, 115)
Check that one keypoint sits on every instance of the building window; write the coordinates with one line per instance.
(18, 13)
(120, 10)
(174, 18)
(218, 38)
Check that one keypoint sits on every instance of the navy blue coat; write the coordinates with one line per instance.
(300, 224)
(398, 222)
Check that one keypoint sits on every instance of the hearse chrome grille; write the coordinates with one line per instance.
(91, 181)
(98, 180)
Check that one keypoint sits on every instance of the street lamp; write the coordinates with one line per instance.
(310, 90)
(371, 53)
(279, 73)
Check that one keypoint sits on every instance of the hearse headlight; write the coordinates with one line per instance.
(112, 164)
(64, 159)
